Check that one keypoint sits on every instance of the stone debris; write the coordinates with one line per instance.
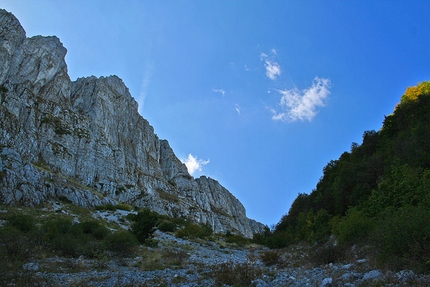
(198, 270)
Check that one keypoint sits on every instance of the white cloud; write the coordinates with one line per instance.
(237, 108)
(299, 105)
(273, 69)
(144, 86)
(194, 164)
(221, 91)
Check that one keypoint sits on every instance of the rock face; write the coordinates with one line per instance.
(86, 140)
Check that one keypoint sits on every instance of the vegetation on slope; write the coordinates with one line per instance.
(377, 194)
(62, 230)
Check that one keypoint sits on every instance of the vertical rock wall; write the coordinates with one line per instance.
(86, 140)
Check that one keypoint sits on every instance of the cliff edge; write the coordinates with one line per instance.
(85, 140)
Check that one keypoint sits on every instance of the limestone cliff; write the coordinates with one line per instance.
(85, 140)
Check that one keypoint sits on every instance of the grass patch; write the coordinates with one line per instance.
(192, 230)
(220, 211)
(235, 274)
(236, 239)
(78, 185)
(167, 196)
(40, 165)
(270, 257)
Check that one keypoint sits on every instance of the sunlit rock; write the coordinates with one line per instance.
(85, 140)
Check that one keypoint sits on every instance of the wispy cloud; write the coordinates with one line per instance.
(273, 69)
(146, 79)
(238, 109)
(194, 164)
(220, 91)
(299, 105)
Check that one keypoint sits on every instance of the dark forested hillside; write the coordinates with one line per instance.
(377, 193)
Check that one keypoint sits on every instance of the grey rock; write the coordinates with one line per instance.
(259, 283)
(347, 266)
(405, 276)
(86, 140)
(327, 282)
(350, 276)
(373, 274)
(32, 266)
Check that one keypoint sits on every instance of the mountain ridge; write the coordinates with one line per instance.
(85, 140)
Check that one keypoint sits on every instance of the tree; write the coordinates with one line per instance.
(144, 225)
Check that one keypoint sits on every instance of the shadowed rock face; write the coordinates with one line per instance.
(86, 140)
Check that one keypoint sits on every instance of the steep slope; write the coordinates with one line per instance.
(86, 140)
(377, 195)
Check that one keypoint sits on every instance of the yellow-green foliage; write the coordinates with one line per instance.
(376, 194)
(412, 93)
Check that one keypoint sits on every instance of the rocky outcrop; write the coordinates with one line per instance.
(85, 140)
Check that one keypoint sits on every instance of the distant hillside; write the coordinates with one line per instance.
(378, 193)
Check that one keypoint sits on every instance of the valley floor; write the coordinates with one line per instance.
(174, 261)
(179, 262)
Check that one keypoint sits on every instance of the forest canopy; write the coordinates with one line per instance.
(377, 193)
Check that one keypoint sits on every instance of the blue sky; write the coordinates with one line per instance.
(259, 95)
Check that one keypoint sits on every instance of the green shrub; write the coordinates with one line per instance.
(69, 245)
(166, 226)
(236, 239)
(144, 225)
(270, 257)
(108, 206)
(14, 244)
(100, 232)
(94, 229)
(327, 253)
(24, 223)
(56, 227)
(354, 227)
(74, 239)
(321, 228)
(179, 221)
(121, 242)
(279, 239)
(192, 230)
(88, 227)
(64, 199)
(403, 239)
